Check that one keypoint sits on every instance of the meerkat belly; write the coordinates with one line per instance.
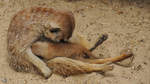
(49, 50)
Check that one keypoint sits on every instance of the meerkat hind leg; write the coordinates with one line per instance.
(66, 66)
(99, 41)
(45, 70)
(80, 40)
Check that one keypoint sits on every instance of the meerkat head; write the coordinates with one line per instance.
(60, 27)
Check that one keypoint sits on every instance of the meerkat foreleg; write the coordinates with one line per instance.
(45, 70)
(66, 66)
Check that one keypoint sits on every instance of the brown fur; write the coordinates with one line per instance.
(26, 27)
(66, 66)
(71, 58)
(49, 50)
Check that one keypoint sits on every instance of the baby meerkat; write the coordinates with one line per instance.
(72, 58)
(47, 49)
(30, 24)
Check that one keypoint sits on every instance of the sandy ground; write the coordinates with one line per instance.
(126, 23)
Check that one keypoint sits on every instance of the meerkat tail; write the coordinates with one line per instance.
(66, 66)
(111, 59)
(38, 63)
(101, 39)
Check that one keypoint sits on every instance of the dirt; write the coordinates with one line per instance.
(127, 23)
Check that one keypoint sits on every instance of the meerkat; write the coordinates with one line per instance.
(66, 66)
(72, 58)
(46, 49)
(26, 27)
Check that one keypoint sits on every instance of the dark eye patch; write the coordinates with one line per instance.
(55, 30)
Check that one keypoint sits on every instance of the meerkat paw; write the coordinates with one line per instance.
(40, 64)
(47, 72)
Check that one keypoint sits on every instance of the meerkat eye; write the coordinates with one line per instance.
(55, 30)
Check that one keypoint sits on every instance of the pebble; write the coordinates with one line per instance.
(4, 80)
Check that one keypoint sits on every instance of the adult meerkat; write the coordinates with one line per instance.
(72, 58)
(30, 24)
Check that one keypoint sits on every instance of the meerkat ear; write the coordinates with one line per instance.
(72, 19)
(71, 16)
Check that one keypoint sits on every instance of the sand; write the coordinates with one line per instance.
(127, 23)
